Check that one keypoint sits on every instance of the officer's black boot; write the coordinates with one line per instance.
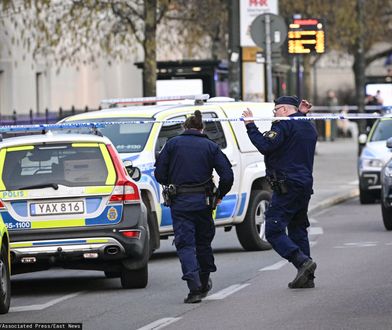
(206, 284)
(305, 276)
(194, 296)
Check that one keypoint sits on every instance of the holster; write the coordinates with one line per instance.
(168, 192)
(212, 195)
(278, 186)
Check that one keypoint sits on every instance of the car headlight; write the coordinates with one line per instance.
(377, 163)
(388, 171)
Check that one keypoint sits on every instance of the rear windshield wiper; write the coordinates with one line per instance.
(55, 186)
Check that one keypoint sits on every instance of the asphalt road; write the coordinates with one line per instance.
(353, 286)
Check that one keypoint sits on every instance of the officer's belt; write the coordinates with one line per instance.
(190, 190)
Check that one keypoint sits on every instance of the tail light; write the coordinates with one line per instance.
(125, 191)
(2, 206)
(130, 233)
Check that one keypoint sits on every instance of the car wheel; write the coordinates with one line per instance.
(135, 278)
(110, 274)
(366, 197)
(153, 228)
(251, 232)
(5, 281)
(386, 216)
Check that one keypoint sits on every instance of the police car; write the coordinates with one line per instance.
(373, 157)
(67, 200)
(140, 131)
(5, 269)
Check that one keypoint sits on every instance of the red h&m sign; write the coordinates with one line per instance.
(258, 2)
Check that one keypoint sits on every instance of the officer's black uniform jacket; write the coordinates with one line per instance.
(288, 149)
(190, 159)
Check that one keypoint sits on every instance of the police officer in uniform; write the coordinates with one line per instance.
(186, 164)
(289, 149)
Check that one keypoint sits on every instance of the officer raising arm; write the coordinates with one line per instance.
(185, 165)
(289, 149)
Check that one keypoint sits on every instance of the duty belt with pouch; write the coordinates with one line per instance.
(277, 185)
(208, 188)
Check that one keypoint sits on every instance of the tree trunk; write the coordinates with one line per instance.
(150, 48)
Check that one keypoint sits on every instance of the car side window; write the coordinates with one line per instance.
(214, 130)
(168, 131)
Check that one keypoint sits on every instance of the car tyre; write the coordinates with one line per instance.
(154, 240)
(5, 281)
(134, 278)
(366, 197)
(386, 216)
(251, 232)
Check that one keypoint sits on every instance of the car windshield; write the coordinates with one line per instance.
(127, 138)
(41, 166)
(382, 131)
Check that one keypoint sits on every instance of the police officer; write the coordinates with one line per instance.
(186, 164)
(289, 149)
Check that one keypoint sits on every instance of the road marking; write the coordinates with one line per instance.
(354, 182)
(315, 231)
(39, 307)
(356, 245)
(226, 292)
(161, 323)
(276, 266)
(313, 220)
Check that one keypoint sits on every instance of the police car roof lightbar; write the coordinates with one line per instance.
(153, 99)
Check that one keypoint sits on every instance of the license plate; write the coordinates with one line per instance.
(53, 208)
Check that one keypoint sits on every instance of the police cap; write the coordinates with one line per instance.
(292, 100)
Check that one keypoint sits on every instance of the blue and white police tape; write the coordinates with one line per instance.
(102, 124)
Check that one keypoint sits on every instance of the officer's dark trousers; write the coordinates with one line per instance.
(289, 211)
(193, 234)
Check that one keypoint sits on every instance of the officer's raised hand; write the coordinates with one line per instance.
(247, 114)
(305, 106)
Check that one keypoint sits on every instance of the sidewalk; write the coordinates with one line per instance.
(334, 173)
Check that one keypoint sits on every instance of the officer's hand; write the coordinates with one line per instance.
(305, 106)
(247, 114)
(218, 201)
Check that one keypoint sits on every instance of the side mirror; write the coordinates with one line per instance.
(389, 143)
(134, 172)
(362, 139)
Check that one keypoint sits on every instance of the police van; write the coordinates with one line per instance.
(139, 133)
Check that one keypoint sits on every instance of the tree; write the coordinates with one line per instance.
(70, 32)
(353, 26)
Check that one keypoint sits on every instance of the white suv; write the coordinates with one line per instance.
(140, 132)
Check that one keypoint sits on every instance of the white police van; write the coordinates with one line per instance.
(139, 132)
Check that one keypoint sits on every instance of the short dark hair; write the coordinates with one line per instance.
(194, 121)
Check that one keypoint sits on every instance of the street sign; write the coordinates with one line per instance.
(278, 31)
(306, 36)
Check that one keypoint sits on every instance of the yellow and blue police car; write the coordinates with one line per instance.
(68, 200)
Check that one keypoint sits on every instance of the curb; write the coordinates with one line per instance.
(333, 201)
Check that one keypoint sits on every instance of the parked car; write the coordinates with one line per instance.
(68, 200)
(5, 268)
(386, 190)
(142, 139)
(373, 157)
